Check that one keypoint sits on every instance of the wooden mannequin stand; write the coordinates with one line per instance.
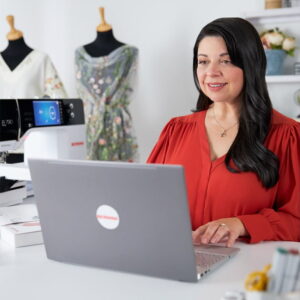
(17, 49)
(105, 41)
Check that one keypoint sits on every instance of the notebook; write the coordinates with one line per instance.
(120, 216)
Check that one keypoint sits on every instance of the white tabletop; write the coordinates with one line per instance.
(26, 273)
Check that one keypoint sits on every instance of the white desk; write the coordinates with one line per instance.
(26, 273)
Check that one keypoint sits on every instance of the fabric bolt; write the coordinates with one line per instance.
(214, 192)
(34, 77)
(104, 84)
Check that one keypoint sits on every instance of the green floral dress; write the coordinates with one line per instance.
(104, 85)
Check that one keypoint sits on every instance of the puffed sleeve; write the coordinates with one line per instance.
(282, 222)
(160, 150)
(54, 87)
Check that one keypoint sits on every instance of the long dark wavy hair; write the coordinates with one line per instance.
(245, 49)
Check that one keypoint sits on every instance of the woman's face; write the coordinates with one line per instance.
(219, 79)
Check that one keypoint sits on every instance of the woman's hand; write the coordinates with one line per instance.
(227, 229)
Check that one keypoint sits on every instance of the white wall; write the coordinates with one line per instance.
(163, 30)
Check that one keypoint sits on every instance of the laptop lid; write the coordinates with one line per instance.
(120, 216)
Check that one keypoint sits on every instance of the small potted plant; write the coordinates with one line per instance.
(277, 45)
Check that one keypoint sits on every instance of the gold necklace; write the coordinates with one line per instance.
(224, 132)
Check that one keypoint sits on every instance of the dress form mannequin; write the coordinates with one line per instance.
(104, 73)
(17, 49)
(105, 41)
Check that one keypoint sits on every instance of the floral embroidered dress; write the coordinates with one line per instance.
(104, 84)
(35, 76)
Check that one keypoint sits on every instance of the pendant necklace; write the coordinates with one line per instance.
(224, 132)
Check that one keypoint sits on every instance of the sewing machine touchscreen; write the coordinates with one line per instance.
(46, 113)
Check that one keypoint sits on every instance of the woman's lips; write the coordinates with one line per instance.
(216, 86)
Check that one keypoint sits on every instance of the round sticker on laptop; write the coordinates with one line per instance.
(108, 217)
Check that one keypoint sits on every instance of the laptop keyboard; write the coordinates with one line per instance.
(206, 260)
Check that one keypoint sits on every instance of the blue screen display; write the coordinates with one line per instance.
(46, 113)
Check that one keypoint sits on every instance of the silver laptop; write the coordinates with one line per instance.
(121, 216)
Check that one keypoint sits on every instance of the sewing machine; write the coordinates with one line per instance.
(46, 128)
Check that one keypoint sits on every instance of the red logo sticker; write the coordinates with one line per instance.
(107, 217)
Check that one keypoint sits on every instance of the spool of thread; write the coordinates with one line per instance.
(270, 4)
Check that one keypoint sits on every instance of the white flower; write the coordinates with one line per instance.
(288, 44)
(108, 80)
(274, 38)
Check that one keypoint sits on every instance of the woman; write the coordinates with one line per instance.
(241, 157)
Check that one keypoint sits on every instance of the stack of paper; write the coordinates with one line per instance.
(19, 225)
(22, 234)
(26, 212)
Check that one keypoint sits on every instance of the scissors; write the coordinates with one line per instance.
(258, 280)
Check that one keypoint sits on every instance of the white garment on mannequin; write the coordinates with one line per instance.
(35, 76)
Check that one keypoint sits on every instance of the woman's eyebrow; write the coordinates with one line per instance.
(205, 55)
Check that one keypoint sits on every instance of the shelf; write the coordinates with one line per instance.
(276, 15)
(283, 79)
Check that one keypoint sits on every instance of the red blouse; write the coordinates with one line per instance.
(214, 192)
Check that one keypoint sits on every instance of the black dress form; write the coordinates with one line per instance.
(15, 52)
(104, 44)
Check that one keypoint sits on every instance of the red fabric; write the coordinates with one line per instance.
(214, 192)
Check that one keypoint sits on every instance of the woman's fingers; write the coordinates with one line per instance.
(222, 230)
(232, 238)
(197, 234)
(212, 230)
